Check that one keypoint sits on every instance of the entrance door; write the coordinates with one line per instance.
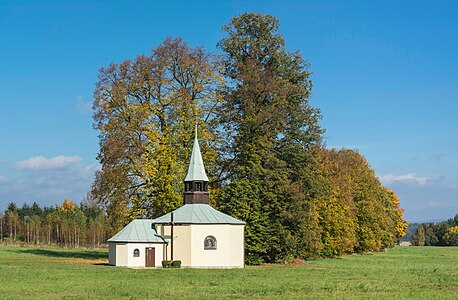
(149, 257)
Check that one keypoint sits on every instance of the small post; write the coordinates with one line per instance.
(171, 233)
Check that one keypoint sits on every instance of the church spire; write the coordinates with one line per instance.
(196, 170)
(196, 180)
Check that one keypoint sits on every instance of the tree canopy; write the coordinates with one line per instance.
(262, 146)
(145, 110)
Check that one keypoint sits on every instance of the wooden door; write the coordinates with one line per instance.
(150, 257)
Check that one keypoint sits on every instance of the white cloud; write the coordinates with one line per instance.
(83, 107)
(50, 182)
(43, 163)
(407, 178)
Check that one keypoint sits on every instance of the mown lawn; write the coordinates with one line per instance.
(401, 273)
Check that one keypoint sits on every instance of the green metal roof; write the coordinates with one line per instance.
(142, 231)
(196, 170)
(197, 214)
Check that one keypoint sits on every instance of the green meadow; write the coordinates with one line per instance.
(400, 273)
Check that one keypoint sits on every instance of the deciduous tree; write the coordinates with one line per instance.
(270, 127)
(145, 110)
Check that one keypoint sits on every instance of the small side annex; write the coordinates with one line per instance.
(137, 245)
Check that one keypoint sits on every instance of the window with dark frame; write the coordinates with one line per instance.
(136, 253)
(210, 243)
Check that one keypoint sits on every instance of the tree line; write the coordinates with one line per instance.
(440, 234)
(65, 225)
(261, 142)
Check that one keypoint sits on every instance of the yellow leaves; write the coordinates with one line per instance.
(67, 206)
(451, 236)
(394, 198)
(452, 230)
(401, 224)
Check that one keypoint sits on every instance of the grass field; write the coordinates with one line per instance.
(401, 273)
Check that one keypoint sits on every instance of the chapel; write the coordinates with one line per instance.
(196, 234)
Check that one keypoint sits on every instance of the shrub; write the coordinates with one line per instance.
(176, 264)
(166, 263)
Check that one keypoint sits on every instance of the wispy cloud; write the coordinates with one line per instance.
(52, 180)
(407, 178)
(83, 107)
(350, 147)
(43, 163)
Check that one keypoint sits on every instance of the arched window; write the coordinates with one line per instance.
(136, 253)
(210, 243)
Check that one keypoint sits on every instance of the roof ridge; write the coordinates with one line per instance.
(194, 214)
(213, 214)
(197, 214)
(138, 231)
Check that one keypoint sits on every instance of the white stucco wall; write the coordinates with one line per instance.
(237, 245)
(230, 246)
(141, 260)
(181, 242)
(189, 245)
(122, 254)
(112, 254)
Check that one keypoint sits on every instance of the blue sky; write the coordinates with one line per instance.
(385, 76)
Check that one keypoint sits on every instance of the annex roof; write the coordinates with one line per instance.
(196, 170)
(197, 214)
(138, 231)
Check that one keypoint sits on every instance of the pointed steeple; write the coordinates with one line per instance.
(196, 169)
(196, 180)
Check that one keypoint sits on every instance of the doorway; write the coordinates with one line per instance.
(150, 257)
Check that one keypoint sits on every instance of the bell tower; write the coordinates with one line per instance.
(196, 181)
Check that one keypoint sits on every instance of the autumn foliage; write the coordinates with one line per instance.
(261, 141)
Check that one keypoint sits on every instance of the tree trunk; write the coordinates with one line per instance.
(57, 233)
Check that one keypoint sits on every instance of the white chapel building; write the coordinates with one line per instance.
(203, 237)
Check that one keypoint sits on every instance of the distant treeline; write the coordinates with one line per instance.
(440, 234)
(66, 225)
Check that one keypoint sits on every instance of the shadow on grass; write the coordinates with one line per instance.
(84, 254)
